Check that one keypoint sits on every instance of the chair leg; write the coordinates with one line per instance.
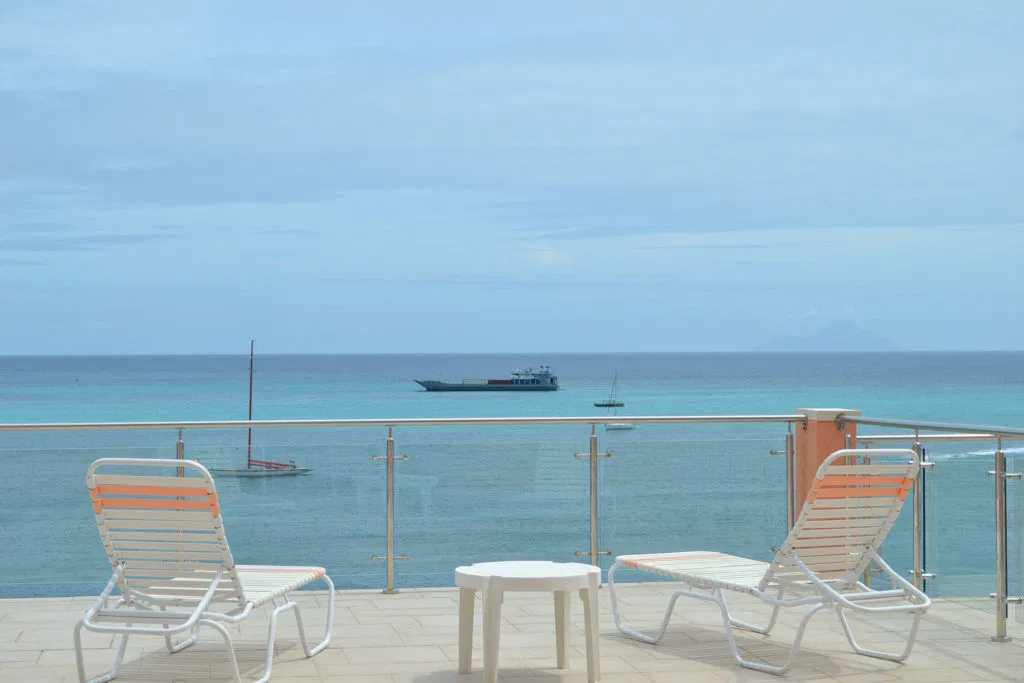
(763, 630)
(589, 596)
(173, 647)
(878, 654)
(757, 666)
(627, 631)
(110, 675)
(231, 650)
(289, 605)
(330, 622)
(467, 596)
(493, 594)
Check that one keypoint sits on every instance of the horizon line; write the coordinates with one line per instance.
(511, 353)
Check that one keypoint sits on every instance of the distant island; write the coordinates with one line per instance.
(839, 335)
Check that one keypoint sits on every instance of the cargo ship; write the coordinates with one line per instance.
(518, 380)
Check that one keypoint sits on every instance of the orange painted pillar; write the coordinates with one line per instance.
(818, 437)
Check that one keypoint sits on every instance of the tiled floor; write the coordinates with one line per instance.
(412, 637)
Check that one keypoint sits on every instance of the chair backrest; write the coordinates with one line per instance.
(161, 526)
(850, 509)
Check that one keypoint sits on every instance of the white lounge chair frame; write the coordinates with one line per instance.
(848, 514)
(171, 562)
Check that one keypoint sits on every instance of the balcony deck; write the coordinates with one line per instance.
(412, 638)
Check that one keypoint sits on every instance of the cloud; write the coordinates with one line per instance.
(494, 282)
(283, 231)
(64, 242)
(548, 256)
(9, 261)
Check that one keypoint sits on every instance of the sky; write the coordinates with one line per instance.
(420, 177)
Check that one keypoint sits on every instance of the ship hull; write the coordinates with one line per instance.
(444, 386)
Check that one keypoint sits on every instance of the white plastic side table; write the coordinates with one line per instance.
(492, 579)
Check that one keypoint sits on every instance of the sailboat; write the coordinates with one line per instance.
(611, 401)
(254, 467)
(613, 404)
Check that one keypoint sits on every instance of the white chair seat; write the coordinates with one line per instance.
(707, 570)
(263, 583)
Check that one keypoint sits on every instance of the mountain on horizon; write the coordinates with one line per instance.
(838, 335)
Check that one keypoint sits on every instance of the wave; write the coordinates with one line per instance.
(938, 457)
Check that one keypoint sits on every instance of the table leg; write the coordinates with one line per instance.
(467, 597)
(492, 626)
(561, 630)
(590, 619)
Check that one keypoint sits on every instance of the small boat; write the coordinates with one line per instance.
(618, 426)
(254, 467)
(612, 401)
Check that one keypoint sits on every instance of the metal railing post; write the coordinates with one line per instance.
(179, 452)
(918, 570)
(594, 551)
(390, 513)
(790, 473)
(593, 496)
(1001, 560)
(865, 460)
(1001, 595)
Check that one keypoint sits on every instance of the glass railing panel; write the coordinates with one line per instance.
(331, 516)
(898, 548)
(47, 527)
(500, 494)
(668, 495)
(960, 523)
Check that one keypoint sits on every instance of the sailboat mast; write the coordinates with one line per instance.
(248, 457)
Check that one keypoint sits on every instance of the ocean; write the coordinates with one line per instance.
(470, 494)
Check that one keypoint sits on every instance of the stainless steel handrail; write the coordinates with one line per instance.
(395, 422)
(897, 438)
(987, 430)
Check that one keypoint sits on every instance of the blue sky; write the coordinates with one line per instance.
(181, 177)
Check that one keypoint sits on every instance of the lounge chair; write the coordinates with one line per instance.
(848, 513)
(165, 539)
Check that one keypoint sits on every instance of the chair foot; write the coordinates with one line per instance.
(173, 647)
(878, 654)
(763, 630)
(330, 622)
(626, 630)
(231, 650)
(728, 621)
(118, 659)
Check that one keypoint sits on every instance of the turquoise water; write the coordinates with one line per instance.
(472, 494)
